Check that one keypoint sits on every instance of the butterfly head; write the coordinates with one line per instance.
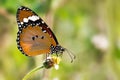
(59, 51)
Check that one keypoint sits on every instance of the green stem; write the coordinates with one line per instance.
(28, 75)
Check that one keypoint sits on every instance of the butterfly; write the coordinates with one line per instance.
(34, 37)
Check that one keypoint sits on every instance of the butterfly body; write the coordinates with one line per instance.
(34, 36)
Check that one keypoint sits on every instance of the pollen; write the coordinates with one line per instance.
(56, 60)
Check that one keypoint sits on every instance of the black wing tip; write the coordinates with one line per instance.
(21, 7)
(24, 8)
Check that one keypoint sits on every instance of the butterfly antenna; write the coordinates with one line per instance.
(72, 56)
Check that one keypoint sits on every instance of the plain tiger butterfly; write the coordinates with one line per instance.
(34, 37)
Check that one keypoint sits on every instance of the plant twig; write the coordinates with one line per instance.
(28, 75)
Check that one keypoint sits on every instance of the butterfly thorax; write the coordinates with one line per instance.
(57, 49)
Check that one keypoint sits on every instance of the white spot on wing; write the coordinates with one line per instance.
(18, 42)
(20, 31)
(21, 22)
(33, 18)
(24, 9)
(18, 45)
(44, 31)
(20, 8)
(18, 34)
(27, 9)
(18, 38)
(37, 23)
(43, 22)
(19, 25)
(25, 20)
(20, 48)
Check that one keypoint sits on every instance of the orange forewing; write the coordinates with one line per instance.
(24, 14)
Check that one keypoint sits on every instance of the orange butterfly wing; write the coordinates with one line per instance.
(34, 36)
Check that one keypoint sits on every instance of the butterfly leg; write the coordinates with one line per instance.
(60, 54)
(56, 54)
(46, 56)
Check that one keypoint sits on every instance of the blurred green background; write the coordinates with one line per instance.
(88, 28)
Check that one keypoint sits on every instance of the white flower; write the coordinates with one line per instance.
(56, 66)
(101, 42)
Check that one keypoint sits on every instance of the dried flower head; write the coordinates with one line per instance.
(52, 61)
